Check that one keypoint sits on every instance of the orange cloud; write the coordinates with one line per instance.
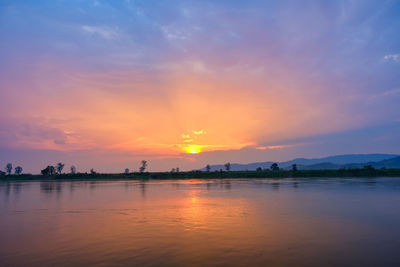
(133, 111)
(274, 147)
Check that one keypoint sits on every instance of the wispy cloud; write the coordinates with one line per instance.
(392, 57)
(392, 92)
(38, 133)
(135, 75)
(274, 147)
(103, 32)
(199, 132)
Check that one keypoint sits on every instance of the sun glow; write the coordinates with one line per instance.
(192, 149)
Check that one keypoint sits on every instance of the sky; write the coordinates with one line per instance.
(106, 84)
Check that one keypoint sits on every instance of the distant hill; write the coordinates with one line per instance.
(242, 167)
(387, 163)
(320, 166)
(332, 162)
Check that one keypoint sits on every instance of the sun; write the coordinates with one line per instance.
(192, 149)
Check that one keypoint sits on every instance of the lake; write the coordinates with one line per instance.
(234, 222)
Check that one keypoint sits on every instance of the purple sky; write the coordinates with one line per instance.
(105, 84)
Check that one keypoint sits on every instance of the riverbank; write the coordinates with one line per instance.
(363, 172)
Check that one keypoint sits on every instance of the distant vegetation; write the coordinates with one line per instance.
(352, 161)
(48, 171)
(227, 166)
(8, 170)
(272, 171)
(73, 169)
(51, 172)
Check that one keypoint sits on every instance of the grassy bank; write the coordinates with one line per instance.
(363, 172)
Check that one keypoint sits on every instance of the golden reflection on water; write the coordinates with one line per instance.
(197, 222)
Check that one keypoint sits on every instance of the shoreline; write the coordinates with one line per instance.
(281, 174)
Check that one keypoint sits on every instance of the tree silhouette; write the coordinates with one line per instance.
(9, 168)
(227, 166)
(294, 167)
(369, 168)
(73, 169)
(92, 171)
(259, 169)
(208, 168)
(18, 170)
(144, 166)
(126, 171)
(60, 167)
(274, 167)
(49, 171)
(177, 169)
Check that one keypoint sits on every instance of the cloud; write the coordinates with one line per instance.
(38, 133)
(174, 34)
(392, 92)
(392, 57)
(278, 146)
(193, 66)
(103, 32)
(199, 132)
(249, 73)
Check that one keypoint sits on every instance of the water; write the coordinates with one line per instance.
(252, 222)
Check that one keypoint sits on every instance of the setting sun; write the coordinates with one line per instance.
(192, 149)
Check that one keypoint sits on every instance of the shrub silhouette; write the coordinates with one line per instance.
(294, 167)
(73, 169)
(144, 166)
(227, 166)
(18, 170)
(8, 168)
(274, 167)
(48, 171)
(208, 168)
(60, 167)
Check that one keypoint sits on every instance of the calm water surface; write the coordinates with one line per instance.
(252, 222)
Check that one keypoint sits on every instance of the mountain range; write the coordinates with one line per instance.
(331, 162)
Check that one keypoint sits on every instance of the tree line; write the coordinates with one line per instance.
(51, 170)
(9, 168)
(273, 167)
(274, 171)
